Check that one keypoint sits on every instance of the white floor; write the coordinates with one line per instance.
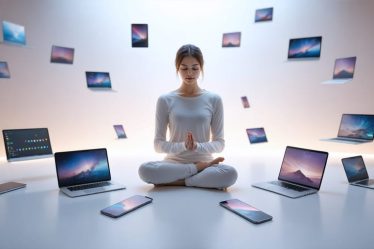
(40, 216)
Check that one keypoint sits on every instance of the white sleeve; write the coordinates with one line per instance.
(218, 142)
(162, 120)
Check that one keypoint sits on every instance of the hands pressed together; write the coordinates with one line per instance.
(190, 141)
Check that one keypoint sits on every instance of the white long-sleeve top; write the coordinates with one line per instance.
(202, 115)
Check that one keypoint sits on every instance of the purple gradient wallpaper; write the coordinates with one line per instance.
(305, 47)
(245, 102)
(355, 168)
(98, 79)
(4, 70)
(79, 167)
(357, 126)
(120, 131)
(127, 205)
(263, 15)
(231, 39)
(62, 55)
(256, 135)
(344, 68)
(303, 166)
(139, 35)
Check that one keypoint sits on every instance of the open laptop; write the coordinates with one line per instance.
(25, 144)
(355, 128)
(301, 173)
(84, 172)
(356, 172)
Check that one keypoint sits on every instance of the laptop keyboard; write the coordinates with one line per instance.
(367, 182)
(88, 186)
(289, 186)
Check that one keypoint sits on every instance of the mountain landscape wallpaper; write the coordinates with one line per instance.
(231, 39)
(263, 15)
(62, 55)
(303, 167)
(355, 168)
(344, 68)
(81, 167)
(357, 126)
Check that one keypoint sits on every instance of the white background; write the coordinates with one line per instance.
(286, 97)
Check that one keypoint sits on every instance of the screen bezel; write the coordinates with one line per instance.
(99, 86)
(61, 154)
(309, 150)
(36, 156)
(341, 122)
(304, 57)
(256, 129)
(345, 168)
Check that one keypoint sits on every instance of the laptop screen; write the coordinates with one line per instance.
(357, 126)
(355, 168)
(304, 167)
(80, 167)
(21, 143)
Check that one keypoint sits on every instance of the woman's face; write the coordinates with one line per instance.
(189, 70)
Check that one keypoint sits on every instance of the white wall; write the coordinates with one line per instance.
(286, 97)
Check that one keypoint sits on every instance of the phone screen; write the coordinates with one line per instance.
(246, 211)
(126, 205)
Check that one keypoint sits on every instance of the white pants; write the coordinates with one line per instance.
(161, 172)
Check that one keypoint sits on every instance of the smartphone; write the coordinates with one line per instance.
(126, 206)
(246, 211)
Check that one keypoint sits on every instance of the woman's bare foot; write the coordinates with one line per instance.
(203, 165)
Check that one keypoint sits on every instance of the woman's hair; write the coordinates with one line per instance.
(189, 50)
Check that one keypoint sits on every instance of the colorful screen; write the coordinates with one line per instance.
(344, 68)
(126, 205)
(245, 102)
(264, 15)
(357, 126)
(62, 55)
(305, 47)
(98, 79)
(27, 143)
(139, 35)
(120, 131)
(231, 39)
(256, 135)
(355, 168)
(304, 167)
(14, 33)
(245, 209)
(80, 167)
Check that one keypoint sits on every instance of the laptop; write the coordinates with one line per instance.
(344, 69)
(25, 144)
(10, 186)
(356, 172)
(355, 128)
(84, 172)
(301, 173)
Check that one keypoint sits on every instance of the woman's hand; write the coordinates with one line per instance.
(190, 141)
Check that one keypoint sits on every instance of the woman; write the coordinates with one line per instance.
(193, 115)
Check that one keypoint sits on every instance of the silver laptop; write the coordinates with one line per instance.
(301, 173)
(356, 128)
(356, 172)
(84, 172)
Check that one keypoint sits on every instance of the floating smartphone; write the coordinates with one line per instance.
(246, 211)
(9, 186)
(126, 206)
(245, 102)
